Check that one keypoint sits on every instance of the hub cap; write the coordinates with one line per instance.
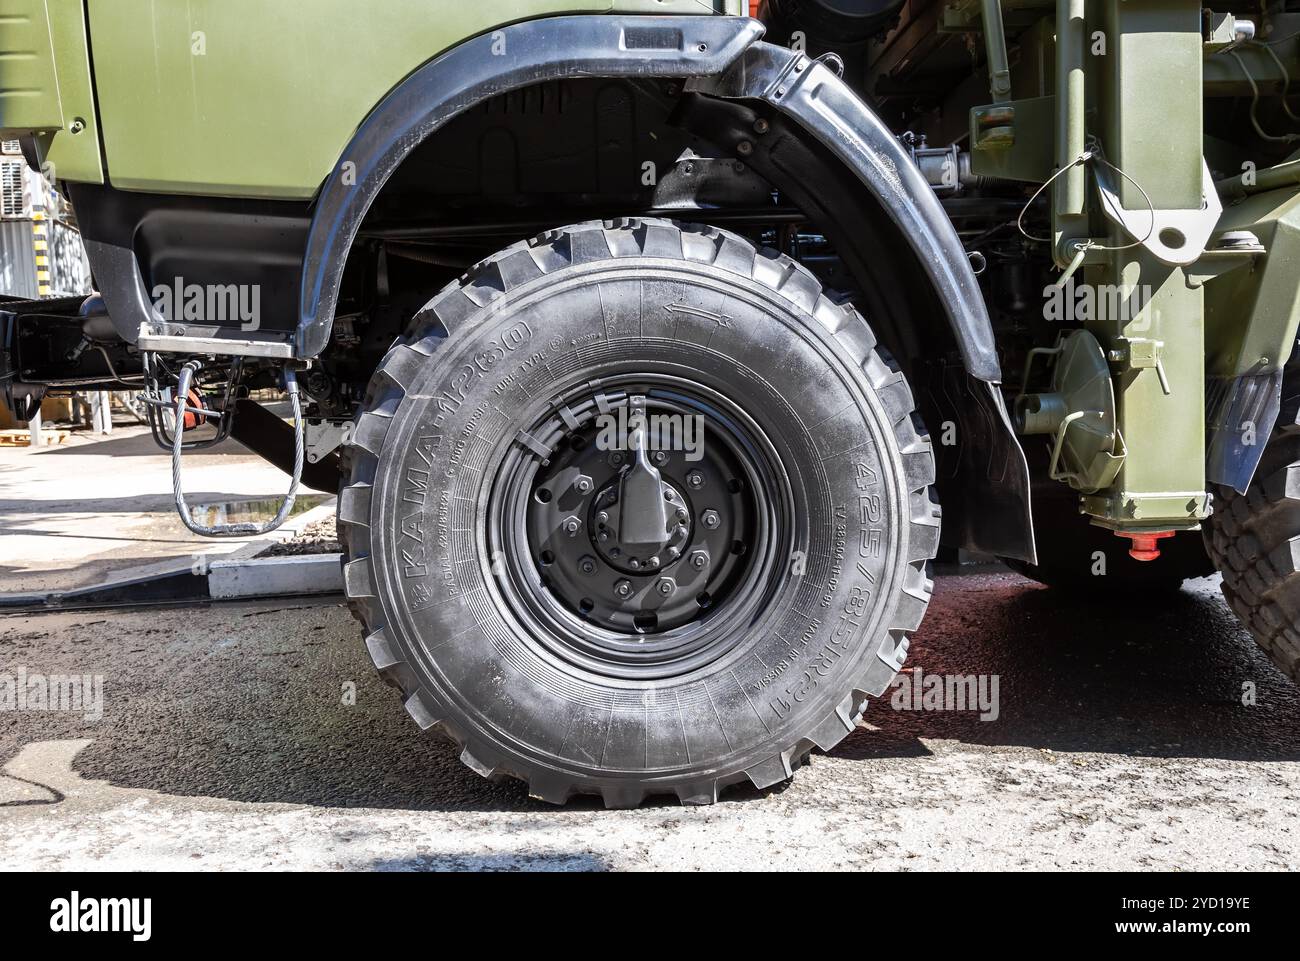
(639, 521)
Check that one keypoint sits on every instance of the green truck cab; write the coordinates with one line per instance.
(647, 342)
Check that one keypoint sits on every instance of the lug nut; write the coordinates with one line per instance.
(695, 479)
(587, 565)
(660, 457)
(571, 526)
(616, 459)
(666, 586)
(711, 520)
(582, 484)
(623, 588)
(699, 560)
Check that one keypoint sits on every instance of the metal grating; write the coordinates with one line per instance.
(12, 194)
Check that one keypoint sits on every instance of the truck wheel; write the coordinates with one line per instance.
(1254, 539)
(638, 509)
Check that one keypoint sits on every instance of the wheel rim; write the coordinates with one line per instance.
(576, 541)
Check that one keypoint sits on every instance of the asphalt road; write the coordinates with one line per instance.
(1121, 742)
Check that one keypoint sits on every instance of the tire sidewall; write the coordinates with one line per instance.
(443, 607)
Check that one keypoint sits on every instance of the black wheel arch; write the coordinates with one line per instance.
(882, 215)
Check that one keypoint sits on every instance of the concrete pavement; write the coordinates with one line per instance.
(75, 514)
(228, 740)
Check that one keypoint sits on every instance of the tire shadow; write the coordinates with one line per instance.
(1164, 675)
(282, 705)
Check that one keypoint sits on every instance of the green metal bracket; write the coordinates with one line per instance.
(1013, 141)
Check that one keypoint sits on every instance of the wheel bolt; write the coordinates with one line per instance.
(616, 459)
(699, 560)
(582, 484)
(634, 564)
(623, 588)
(660, 457)
(681, 514)
(652, 563)
(711, 520)
(695, 479)
(602, 517)
(571, 526)
(587, 565)
(666, 586)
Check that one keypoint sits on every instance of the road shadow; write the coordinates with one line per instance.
(133, 443)
(251, 704)
(161, 503)
(553, 861)
(1163, 675)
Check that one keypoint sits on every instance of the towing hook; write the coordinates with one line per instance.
(1146, 544)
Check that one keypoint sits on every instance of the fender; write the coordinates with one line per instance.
(814, 97)
(507, 59)
(722, 59)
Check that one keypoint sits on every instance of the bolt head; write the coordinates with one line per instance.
(699, 560)
(582, 484)
(634, 564)
(660, 457)
(587, 565)
(681, 514)
(711, 520)
(666, 586)
(571, 526)
(623, 588)
(695, 479)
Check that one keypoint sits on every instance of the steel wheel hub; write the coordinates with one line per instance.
(633, 516)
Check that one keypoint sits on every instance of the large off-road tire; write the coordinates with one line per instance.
(501, 620)
(1254, 539)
